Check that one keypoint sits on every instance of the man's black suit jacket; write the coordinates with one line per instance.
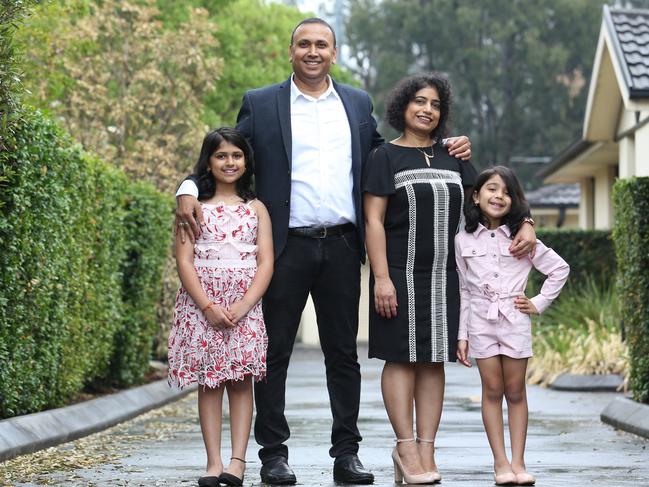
(265, 120)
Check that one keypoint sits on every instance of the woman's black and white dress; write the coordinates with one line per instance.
(422, 217)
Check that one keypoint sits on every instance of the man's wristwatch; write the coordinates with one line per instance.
(529, 220)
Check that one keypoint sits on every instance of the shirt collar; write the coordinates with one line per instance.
(296, 93)
(502, 228)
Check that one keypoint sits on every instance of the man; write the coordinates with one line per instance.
(311, 137)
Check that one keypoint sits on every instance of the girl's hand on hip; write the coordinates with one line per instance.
(463, 353)
(385, 298)
(525, 305)
(219, 318)
(189, 217)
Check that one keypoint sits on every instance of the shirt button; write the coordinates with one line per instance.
(493, 234)
(473, 252)
(496, 274)
(493, 255)
(286, 203)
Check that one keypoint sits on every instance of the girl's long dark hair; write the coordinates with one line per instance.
(205, 180)
(519, 210)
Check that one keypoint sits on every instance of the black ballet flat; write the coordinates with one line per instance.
(209, 481)
(228, 479)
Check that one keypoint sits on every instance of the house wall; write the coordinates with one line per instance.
(603, 207)
(642, 148)
(548, 217)
(626, 146)
(586, 203)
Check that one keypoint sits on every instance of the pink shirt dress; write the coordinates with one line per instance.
(490, 280)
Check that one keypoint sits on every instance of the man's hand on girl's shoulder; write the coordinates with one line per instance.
(189, 217)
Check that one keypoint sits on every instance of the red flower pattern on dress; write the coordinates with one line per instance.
(225, 259)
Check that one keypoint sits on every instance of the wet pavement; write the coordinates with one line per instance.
(567, 443)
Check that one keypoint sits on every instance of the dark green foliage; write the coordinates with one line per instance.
(68, 226)
(148, 227)
(588, 252)
(631, 237)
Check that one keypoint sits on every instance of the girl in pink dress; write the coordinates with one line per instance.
(495, 326)
(218, 338)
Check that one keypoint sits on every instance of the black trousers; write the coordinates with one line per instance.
(329, 269)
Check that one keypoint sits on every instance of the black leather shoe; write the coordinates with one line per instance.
(277, 472)
(349, 470)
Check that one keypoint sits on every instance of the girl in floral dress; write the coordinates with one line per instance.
(218, 338)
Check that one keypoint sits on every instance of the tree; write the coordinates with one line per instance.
(12, 13)
(125, 87)
(518, 69)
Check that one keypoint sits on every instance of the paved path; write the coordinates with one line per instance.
(567, 443)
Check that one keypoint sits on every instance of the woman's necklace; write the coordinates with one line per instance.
(428, 157)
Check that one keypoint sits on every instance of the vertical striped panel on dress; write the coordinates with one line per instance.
(439, 319)
(439, 180)
(410, 278)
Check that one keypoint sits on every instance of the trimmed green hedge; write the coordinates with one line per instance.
(631, 237)
(589, 252)
(82, 254)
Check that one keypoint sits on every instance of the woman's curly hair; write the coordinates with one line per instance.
(404, 92)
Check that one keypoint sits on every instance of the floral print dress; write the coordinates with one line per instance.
(225, 259)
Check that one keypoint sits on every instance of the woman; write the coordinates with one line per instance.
(414, 192)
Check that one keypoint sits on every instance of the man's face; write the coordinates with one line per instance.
(312, 52)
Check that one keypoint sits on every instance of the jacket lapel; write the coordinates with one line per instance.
(284, 109)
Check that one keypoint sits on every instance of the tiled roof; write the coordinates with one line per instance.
(629, 30)
(554, 195)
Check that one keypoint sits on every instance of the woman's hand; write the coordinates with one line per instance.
(385, 298)
(525, 241)
(463, 352)
(459, 147)
(525, 305)
(219, 318)
(189, 217)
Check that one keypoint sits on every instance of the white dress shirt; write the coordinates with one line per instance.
(321, 173)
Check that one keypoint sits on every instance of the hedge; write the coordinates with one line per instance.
(631, 237)
(589, 252)
(82, 253)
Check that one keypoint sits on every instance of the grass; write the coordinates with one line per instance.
(579, 334)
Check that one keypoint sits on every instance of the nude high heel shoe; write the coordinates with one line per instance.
(436, 475)
(400, 474)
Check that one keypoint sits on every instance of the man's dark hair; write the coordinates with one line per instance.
(314, 20)
(404, 92)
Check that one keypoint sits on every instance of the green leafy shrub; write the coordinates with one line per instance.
(73, 249)
(631, 237)
(579, 334)
(148, 231)
(589, 252)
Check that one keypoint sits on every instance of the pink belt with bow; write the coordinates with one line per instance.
(495, 298)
